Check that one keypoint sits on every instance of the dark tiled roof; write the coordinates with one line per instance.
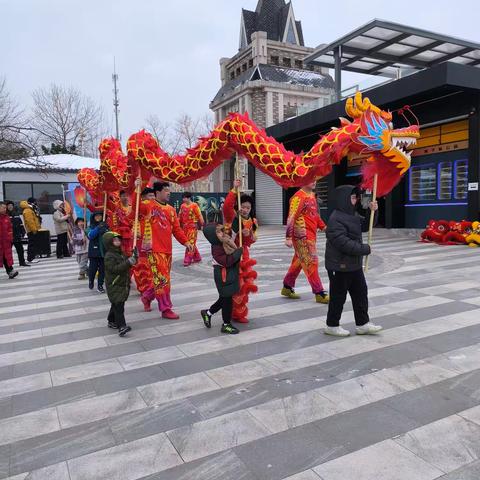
(270, 16)
(306, 78)
(273, 73)
(300, 32)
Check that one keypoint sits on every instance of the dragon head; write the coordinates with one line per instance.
(377, 134)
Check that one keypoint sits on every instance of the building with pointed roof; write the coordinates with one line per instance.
(268, 79)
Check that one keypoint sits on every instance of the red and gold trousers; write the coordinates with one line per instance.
(194, 256)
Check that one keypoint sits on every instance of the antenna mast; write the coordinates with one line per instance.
(116, 101)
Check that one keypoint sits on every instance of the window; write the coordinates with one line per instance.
(287, 62)
(461, 179)
(250, 63)
(423, 183)
(291, 34)
(238, 71)
(45, 193)
(298, 64)
(445, 181)
(244, 67)
(274, 59)
(232, 75)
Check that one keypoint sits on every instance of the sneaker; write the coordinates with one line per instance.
(25, 265)
(101, 289)
(290, 293)
(90, 286)
(12, 274)
(322, 297)
(229, 328)
(81, 276)
(241, 320)
(124, 330)
(368, 329)
(112, 325)
(170, 315)
(146, 304)
(35, 260)
(207, 319)
(336, 331)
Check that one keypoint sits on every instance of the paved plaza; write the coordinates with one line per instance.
(175, 401)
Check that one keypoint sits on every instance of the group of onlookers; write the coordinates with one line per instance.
(13, 231)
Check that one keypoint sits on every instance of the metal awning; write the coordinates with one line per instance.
(384, 48)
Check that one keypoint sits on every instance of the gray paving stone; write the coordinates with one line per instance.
(287, 453)
(152, 420)
(429, 404)
(224, 466)
(4, 460)
(187, 366)
(56, 447)
(123, 380)
(469, 472)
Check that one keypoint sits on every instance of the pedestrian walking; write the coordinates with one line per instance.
(344, 262)
(117, 278)
(226, 272)
(80, 247)
(19, 232)
(61, 221)
(6, 241)
(33, 222)
(96, 251)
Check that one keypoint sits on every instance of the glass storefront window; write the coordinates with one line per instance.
(461, 179)
(16, 192)
(46, 194)
(445, 180)
(423, 183)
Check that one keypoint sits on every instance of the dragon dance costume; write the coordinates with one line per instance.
(247, 274)
(158, 222)
(302, 225)
(190, 218)
(122, 223)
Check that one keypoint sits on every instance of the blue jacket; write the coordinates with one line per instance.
(95, 234)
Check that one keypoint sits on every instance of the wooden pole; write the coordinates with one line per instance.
(85, 206)
(372, 217)
(137, 209)
(237, 168)
(104, 206)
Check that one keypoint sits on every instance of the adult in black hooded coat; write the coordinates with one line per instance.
(18, 232)
(344, 262)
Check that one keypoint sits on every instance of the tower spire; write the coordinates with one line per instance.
(116, 101)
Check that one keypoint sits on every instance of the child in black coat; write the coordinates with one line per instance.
(226, 262)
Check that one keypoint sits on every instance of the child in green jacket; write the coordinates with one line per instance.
(117, 279)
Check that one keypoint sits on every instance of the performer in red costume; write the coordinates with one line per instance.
(158, 222)
(122, 223)
(249, 237)
(141, 271)
(302, 225)
(191, 219)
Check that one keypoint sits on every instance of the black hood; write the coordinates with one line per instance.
(210, 232)
(93, 223)
(342, 201)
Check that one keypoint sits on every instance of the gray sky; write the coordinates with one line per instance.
(167, 51)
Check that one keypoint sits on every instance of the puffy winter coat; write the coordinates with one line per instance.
(117, 270)
(6, 238)
(226, 267)
(17, 225)
(344, 250)
(31, 219)
(95, 234)
(60, 219)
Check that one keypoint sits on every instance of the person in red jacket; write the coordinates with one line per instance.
(191, 220)
(158, 222)
(249, 237)
(122, 223)
(302, 225)
(6, 241)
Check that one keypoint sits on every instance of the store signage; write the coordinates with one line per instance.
(473, 187)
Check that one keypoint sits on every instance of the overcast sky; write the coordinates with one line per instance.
(167, 51)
